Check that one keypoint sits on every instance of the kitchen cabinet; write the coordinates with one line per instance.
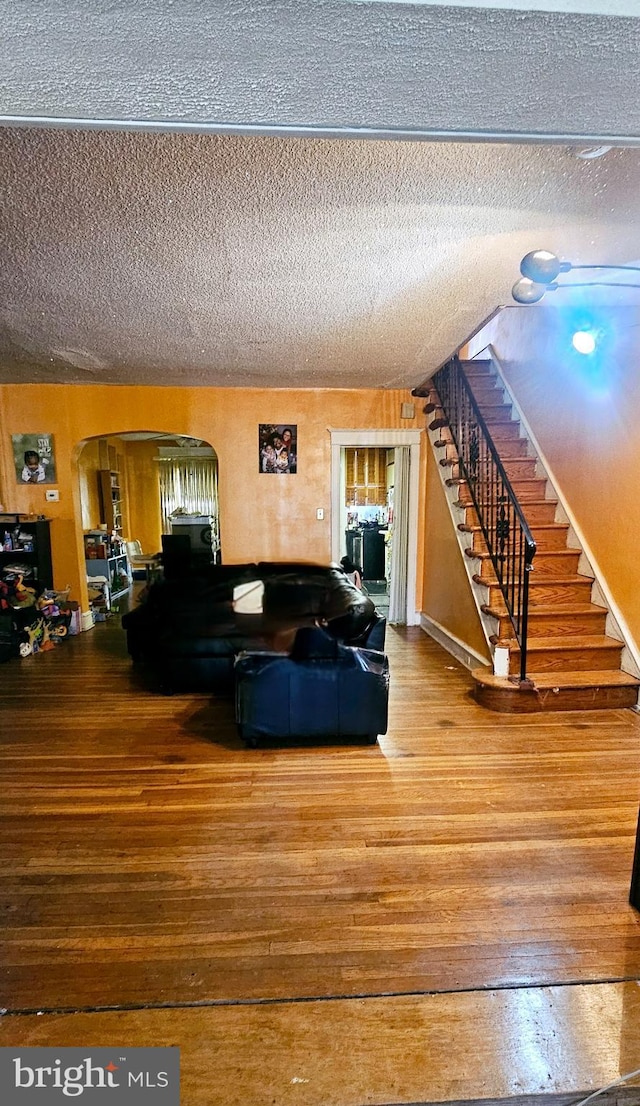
(366, 477)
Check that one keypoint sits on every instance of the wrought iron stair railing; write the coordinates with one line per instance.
(509, 541)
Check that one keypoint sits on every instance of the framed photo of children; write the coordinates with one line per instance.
(278, 448)
(34, 458)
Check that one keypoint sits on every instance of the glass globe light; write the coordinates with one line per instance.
(584, 341)
(528, 291)
(542, 267)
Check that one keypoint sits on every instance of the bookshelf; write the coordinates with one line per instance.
(111, 500)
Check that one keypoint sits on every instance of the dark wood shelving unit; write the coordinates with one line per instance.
(31, 547)
(110, 490)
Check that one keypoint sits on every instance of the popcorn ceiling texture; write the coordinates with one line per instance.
(131, 257)
(323, 62)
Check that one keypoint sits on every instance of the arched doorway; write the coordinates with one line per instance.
(136, 487)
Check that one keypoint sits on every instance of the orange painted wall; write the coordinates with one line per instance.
(447, 596)
(143, 494)
(585, 412)
(88, 468)
(262, 516)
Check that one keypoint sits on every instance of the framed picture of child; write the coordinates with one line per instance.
(278, 448)
(34, 458)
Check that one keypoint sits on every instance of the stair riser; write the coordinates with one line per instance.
(530, 702)
(548, 595)
(508, 443)
(514, 447)
(488, 394)
(550, 544)
(496, 420)
(537, 514)
(483, 369)
(533, 489)
(570, 626)
(568, 660)
(556, 564)
(546, 565)
(497, 412)
(547, 540)
(507, 432)
(520, 470)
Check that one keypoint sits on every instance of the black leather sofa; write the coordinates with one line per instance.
(188, 632)
(321, 690)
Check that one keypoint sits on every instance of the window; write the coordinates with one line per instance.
(366, 477)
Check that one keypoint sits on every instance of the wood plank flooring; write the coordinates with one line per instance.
(149, 858)
(537, 1047)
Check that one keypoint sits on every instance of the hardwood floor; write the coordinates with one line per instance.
(149, 859)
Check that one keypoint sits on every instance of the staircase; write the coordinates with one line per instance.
(571, 661)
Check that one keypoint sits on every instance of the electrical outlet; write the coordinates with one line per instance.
(52, 495)
(320, 514)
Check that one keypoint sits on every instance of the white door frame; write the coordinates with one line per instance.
(382, 439)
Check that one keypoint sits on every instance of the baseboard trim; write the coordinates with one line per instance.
(462, 652)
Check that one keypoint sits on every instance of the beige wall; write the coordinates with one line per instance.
(447, 596)
(585, 412)
(261, 516)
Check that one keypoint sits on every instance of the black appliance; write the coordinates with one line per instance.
(365, 548)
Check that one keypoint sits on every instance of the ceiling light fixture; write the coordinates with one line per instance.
(541, 267)
(584, 341)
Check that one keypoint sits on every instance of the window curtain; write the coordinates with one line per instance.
(190, 484)
(400, 538)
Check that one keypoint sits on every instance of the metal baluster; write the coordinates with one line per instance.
(509, 540)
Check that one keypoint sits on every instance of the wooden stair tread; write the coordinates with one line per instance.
(549, 612)
(544, 558)
(544, 581)
(584, 679)
(482, 553)
(559, 679)
(583, 642)
(538, 581)
(554, 526)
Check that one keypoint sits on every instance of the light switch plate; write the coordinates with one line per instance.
(320, 514)
(52, 495)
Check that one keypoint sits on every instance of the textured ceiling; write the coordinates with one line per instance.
(222, 260)
(328, 64)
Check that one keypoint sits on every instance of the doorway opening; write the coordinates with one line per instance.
(137, 489)
(375, 512)
(367, 485)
